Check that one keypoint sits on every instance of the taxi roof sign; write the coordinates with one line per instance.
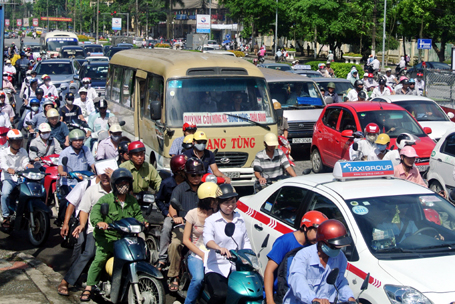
(362, 169)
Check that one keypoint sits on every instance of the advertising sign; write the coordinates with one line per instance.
(203, 24)
(35, 21)
(58, 19)
(345, 169)
(117, 24)
(222, 118)
(19, 22)
(7, 22)
(424, 44)
(26, 22)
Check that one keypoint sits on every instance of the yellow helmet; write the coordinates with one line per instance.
(383, 139)
(208, 189)
(276, 105)
(271, 139)
(199, 135)
(188, 139)
(110, 266)
(52, 113)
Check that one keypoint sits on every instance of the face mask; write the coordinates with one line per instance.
(45, 136)
(35, 109)
(381, 147)
(332, 253)
(116, 138)
(371, 138)
(86, 85)
(200, 147)
(70, 102)
(123, 189)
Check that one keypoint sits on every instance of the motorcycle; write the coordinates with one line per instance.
(22, 70)
(286, 148)
(130, 277)
(258, 187)
(27, 205)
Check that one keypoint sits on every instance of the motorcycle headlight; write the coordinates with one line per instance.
(136, 229)
(34, 176)
(148, 198)
(405, 295)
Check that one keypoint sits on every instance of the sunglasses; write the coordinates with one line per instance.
(196, 175)
(201, 141)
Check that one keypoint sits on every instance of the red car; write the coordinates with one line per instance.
(333, 131)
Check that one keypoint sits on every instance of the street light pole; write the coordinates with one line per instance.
(276, 26)
(210, 23)
(48, 15)
(383, 34)
(97, 19)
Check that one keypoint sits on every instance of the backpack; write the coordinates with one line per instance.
(282, 275)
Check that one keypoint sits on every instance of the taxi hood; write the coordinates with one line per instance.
(294, 115)
(427, 275)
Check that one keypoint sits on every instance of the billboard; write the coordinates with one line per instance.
(35, 21)
(58, 19)
(7, 22)
(203, 24)
(117, 24)
(19, 22)
(26, 22)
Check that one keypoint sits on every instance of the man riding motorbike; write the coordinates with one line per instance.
(367, 145)
(91, 92)
(176, 147)
(48, 87)
(45, 144)
(353, 95)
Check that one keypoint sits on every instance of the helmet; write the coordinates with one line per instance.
(208, 190)
(39, 91)
(402, 78)
(358, 82)
(388, 70)
(34, 72)
(333, 232)
(70, 96)
(178, 163)
(110, 266)
(408, 151)
(86, 80)
(123, 147)
(227, 191)
(33, 80)
(2, 94)
(321, 65)
(29, 72)
(313, 219)
(370, 75)
(382, 81)
(271, 139)
(120, 175)
(46, 77)
(48, 102)
(255, 60)
(419, 74)
(76, 134)
(52, 113)
(412, 81)
(405, 139)
(82, 90)
(115, 128)
(331, 85)
(22, 53)
(189, 127)
(194, 166)
(372, 128)
(14, 134)
(276, 105)
(44, 127)
(34, 100)
(136, 146)
(199, 136)
(188, 142)
(383, 139)
(64, 86)
(362, 94)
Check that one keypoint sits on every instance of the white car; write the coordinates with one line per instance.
(411, 267)
(442, 161)
(427, 112)
(97, 59)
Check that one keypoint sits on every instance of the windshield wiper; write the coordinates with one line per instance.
(249, 120)
(395, 249)
(449, 246)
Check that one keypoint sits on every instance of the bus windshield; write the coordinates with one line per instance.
(56, 44)
(218, 101)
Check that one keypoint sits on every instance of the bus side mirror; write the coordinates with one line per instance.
(155, 110)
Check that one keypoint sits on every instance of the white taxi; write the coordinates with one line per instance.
(403, 234)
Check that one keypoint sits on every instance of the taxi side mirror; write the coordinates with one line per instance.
(347, 133)
(427, 130)
(155, 110)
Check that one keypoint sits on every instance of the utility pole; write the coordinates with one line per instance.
(48, 16)
(136, 21)
(383, 34)
(97, 19)
(210, 23)
(276, 27)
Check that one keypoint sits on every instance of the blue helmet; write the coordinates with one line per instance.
(22, 53)
(34, 100)
(412, 80)
(33, 80)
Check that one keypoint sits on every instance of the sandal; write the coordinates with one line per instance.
(63, 289)
(86, 295)
(6, 223)
(174, 284)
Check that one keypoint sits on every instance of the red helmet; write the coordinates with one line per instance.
(333, 232)
(189, 127)
(46, 77)
(419, 74)
(136, 146)
(370, 75)
(178, 163)
(432, 216)
(372, 128)
(312, 219)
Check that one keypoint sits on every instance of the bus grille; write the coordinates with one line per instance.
(231, 159)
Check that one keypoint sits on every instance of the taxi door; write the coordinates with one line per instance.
(276, 217)
(444, 160)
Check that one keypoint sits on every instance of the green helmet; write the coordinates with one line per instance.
(76, 134)
(331, 85)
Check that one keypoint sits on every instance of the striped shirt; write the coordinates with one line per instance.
(272, 167)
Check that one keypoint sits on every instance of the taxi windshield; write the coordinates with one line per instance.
(296, 94)
(400, 225)
(423, 110)
(392, 122)
(218, 101)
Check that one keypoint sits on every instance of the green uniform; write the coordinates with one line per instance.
(105, 239)
(144, 177)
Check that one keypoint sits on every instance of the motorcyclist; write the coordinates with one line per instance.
(123, 151)
(187, 143)
(403, 140)
(34, 106)
(362, 96)
(322, 70)
(381, 90)
(311, 265)
(218, 267)
(45, 144)
(108, 148)
(59, 129)
(404, 89)
(176, 147)
(283, 125)
(121, 205)
(329, 69)
(371, 84)
(186, 194)
(304, 236)
(5, 120)
(12, 159)
(367, 145)
(382, 145)
(40, 117)
(406, 169)
(99, 120)
(48, 87)
(391, 80)
(255, 61)
(39, 94)
(331, 92)
(420, 83)
(7, 84)
(272, 160)
(353, 95)
(208, 194)
(26, 83)
(9, 68)
(30, 92)
(208, 158)
(91, 92)
(353, 75)
(412, 87)
(71, 113)
(85, 103)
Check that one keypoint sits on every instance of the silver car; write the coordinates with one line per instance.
(62, 70)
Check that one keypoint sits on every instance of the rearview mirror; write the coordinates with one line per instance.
(266, 241)
(104, 209)
(176, 205)
(229, 229)
(427, 130)
(34, 149)
(257, 169)
(332, 277)
(29, 123)
(155, 110)
(451, 115)
(347, 133)
(365, 282)
(65, 161)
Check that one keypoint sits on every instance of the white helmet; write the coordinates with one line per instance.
(14, 134)
(271, 139)
(44, 127)
(115, 128)
(82, 90)
(405, 139)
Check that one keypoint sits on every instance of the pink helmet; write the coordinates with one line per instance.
(408, 151)
(403, 78)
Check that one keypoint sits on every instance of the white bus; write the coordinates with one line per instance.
(53, 42)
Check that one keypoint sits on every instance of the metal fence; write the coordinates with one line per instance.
(439, 86)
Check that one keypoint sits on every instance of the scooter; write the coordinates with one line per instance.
(130, 277)
(27, 205)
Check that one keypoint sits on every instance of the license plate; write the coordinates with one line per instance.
(302, 140)
(423, 168)
(232, 175)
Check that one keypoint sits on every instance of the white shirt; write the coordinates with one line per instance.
(377, 92)
(4, 120)
(420, 86)
(364, 149)
(17, 161)
(353, 95)
(51, 89)
(214, 231)
(402, 63)
(375, 64)
(390, 80)
(9, 69)
(87, 107)
(89, 199)
(91, 93)
(393, 156)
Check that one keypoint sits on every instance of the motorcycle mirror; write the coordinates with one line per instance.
(365, 282)
(176, 205)
(257, 169)
(452, 195)
(65, 161)
(306, 171)
(332, 277)
(266, 241)
(355, 146)
(34, 149)
(328, 100)
(229, 229)
(121, 123)
(36, 165)
(104, 209)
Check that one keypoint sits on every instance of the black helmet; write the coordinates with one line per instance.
(358, 82)
(228, 191)
(123, 147)
(119, 175)
(382, 81)
(39, 91)
(194, 166)
(362, 94)
(69, 96)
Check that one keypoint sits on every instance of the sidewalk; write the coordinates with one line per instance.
(24, 279)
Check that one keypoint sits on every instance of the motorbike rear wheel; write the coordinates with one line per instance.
(40, 233)
(150, 288)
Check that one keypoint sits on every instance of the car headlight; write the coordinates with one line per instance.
(405, 295)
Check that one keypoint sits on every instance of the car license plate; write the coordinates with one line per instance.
(302, 140)
(423, 168)
(232, 175)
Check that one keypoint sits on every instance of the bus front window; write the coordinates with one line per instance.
(218, 101)
(55, 45)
